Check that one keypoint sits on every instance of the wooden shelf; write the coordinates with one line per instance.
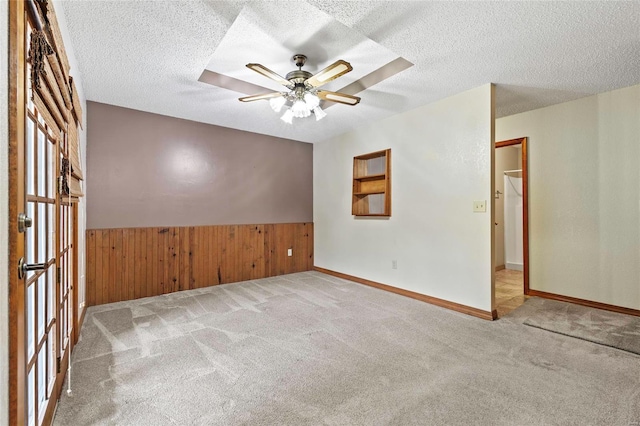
(371, 177)
(372, 184)
(368, 192)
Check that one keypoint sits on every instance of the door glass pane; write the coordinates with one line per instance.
(31, 397)
(51, 294)
(62, 275)
(42, 283)
(30, 319)
(61, 228)
(30, 165)
(52, 231)
(41, 155)
(63, 325)
(42, 232)
(42, 382)
(52, 169)
(52, 359)
(30, 249)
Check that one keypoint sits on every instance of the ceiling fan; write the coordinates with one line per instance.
(303, 94)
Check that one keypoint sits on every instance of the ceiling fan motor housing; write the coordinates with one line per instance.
(299, 59)
(298, 76)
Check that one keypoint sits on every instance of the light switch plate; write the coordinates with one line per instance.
(480, 206)
(289, 252)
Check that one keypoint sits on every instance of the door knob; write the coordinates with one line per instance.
(24, 222)
(24, 267)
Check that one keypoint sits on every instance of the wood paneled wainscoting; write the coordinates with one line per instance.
(130, 263)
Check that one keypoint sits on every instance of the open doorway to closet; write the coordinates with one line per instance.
(511, 225)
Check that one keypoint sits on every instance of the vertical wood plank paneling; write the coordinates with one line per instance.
(105, 266)
(91, 268)
(131, 261)
(184, 259)
(310, 246)
(194, 237)
(163, 235)
(118, 276)
(280, 249)
(143, 262)
(112, 266)
(98, 268)
(245, 252)
(213, 256)
(257, 250)
(126, 264)
(149, 262)
(174, 265)
(248, 258)
(223, 246)
(299, 261)
(235, 254)
(286, 265)
(153, 263)
(266, 250)
(203, 252)
(137, 274)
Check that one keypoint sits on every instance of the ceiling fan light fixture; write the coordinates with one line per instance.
(287, 117)
(303, 95)
(277, 103)
(300, 109)
(311, 100)
(319, 113)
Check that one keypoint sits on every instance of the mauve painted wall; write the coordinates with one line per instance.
(147, 170)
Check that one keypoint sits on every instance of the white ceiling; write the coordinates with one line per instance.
(148, 55)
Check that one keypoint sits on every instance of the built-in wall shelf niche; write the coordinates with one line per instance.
(372, 184)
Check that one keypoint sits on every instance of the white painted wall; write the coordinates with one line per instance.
(513, 225)
(77, 78)
(441, 162)
(507, 158)
(4, 216)
(584, 196)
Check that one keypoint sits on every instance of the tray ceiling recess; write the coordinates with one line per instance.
(299, 39)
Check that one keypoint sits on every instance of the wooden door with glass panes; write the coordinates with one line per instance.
(42, 251)
(45, 314)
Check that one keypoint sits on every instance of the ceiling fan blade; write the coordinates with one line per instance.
(375, 77)
(269, 74)
(333, 71)
(259, 97)
(341, 98)
(230, 83)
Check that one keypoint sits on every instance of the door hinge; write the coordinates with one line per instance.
(58, 275)
(58, 364)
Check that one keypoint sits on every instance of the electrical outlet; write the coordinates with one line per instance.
(289, 252)
(480, 206)
(394, 264)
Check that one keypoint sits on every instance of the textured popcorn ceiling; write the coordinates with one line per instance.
(148, 55)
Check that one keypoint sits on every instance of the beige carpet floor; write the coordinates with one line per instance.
(310, 349)
(595, 325)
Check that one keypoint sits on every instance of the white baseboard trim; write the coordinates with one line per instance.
(516, 266)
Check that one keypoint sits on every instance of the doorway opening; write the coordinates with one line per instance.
(511, 225)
